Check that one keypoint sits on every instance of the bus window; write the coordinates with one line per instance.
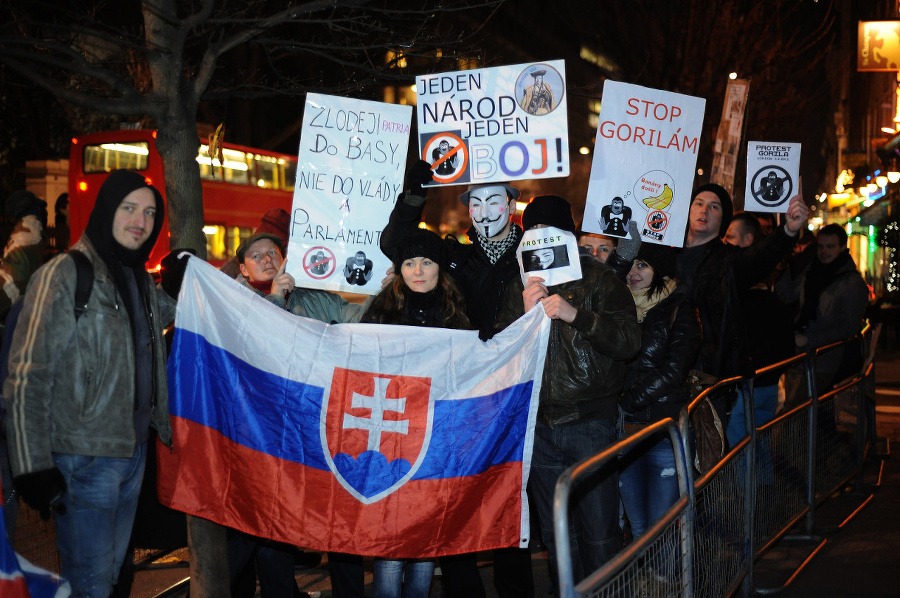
(104, 157)
(222, 241)
(234, 170)
(290, 175)
(266, 172)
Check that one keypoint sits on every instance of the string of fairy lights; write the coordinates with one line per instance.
(889, 240)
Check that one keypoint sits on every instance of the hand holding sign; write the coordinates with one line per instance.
(534, 291)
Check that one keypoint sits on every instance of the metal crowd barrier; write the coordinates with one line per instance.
(769, 483)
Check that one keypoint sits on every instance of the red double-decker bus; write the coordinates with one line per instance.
(236, 192)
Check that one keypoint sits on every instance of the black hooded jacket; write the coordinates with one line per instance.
(656, 380)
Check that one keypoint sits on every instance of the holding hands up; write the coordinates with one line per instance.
(555, 306)
(283, 283)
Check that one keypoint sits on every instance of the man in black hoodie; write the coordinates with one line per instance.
(84, 391)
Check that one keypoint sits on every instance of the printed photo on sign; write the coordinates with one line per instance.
(350, 169)
(549, 253)
(644, 163)
(773, 175)
(495, 124)
(540, 89)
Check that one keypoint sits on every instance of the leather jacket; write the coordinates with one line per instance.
(585, 365)
(71, 387)
(656, 380)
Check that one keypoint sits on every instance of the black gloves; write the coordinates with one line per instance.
(171, 271)
(419, 174)
(42, 491)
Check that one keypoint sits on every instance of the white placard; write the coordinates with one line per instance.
(645, 157)
(773, 175)
(349, 172)
(549, 253)
(494, 124)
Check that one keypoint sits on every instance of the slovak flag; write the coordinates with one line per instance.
(20, 579)
(392, 441)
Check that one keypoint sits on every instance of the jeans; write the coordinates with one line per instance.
(594, 506)
(92, 536)
(408, 578)
(648, 482)
(765, 400)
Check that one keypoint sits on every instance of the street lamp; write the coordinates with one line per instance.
(881, 180)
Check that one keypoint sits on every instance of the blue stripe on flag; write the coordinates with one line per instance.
(280, 417)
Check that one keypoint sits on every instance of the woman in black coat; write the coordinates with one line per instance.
(422, 294)
(656, 383)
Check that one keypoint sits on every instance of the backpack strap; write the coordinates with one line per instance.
(84, 281)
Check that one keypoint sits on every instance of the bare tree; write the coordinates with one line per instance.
(157, 60)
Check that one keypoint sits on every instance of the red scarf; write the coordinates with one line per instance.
(264, 286)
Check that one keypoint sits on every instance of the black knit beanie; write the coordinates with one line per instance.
(550, 210)
(660, 257)
(25, 203)
(423, 243)
(724, 198)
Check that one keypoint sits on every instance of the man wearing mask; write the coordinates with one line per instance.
(83, 392)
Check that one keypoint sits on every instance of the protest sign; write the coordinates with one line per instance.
(549, 253)
(773, 175)
(644, 161)
(494, 124)
(349, 172)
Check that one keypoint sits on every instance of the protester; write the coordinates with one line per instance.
(422, 295)
(715, 274)
(594, 330)
(261, 264)
(26, 247)
(481, 269)
(276, 222)
(769, 329)
(82, 394)
(597, 246)
(833, 298)
(61, 222)
(655, 383)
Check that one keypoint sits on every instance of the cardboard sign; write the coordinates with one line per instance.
(549, 253)
(644, 162)
(494, 124)
(349, 173)
(773, 175)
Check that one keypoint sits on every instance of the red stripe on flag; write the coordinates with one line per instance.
(210, 476)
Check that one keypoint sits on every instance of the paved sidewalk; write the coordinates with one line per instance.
(861, 552)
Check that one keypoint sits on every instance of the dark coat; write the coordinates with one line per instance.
(480, 281)
(585, 365)
(656, 380)
(724, 272)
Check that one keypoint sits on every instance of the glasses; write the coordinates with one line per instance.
(258, 257)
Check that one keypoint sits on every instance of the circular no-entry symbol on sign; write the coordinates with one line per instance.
(448, 155)
(319, 262)
(657, 221)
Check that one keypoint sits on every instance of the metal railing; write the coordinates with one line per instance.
(769, 483)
